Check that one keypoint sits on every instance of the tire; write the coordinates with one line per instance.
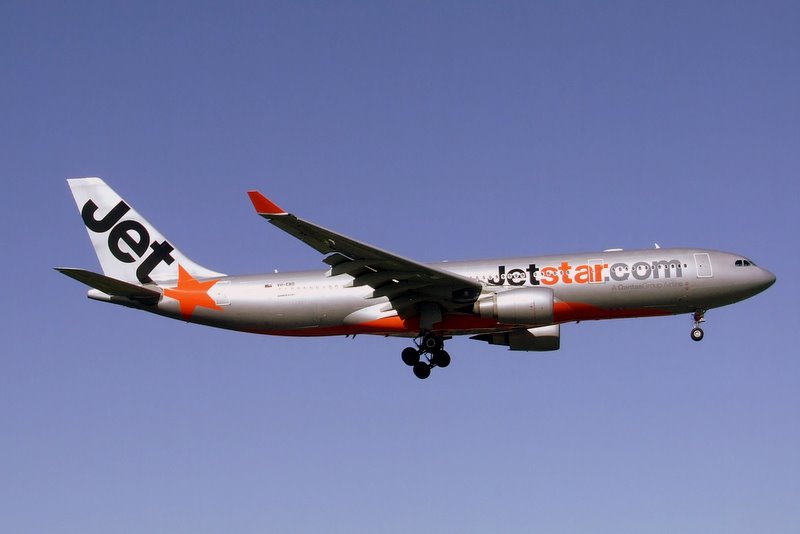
(697, 334)
(410, 356)
(422, 370)
(441, 359)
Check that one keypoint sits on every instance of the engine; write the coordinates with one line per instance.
(531, 306)
(542, 338)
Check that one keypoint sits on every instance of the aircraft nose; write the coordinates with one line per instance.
(766, 279)
(769, 278)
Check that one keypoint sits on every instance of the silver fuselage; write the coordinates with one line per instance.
(588, 286)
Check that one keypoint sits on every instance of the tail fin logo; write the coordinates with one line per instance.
(131, 233)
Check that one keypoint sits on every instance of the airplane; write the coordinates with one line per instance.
(518, 302)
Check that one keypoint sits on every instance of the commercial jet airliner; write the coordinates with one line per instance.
(518, 303)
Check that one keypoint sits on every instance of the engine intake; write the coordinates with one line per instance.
(531, 306)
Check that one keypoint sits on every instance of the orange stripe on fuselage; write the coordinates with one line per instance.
(564, 312)
(567, 312)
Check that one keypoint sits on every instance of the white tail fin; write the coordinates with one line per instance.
(129, 248)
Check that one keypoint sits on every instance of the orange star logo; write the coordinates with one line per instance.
(190, 293)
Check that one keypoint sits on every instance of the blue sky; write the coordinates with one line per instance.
(444, 130)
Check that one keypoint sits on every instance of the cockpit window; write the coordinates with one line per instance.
(743, 263)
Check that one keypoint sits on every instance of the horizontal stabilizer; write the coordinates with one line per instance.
(112, 286)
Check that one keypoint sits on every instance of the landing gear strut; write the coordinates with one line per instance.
(697, 332)
(431, 347)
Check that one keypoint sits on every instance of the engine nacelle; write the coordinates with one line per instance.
(528, 306)
(542, 338)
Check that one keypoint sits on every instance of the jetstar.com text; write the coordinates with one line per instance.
(588, 273)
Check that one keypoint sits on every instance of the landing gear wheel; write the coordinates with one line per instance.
(698, 317)
(422, 370)
(441, 359)
(697, 334)
(429, 353)
(431, 343)
(410, 356)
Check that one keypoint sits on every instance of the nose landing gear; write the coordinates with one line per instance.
(431, 347)
(697, 332)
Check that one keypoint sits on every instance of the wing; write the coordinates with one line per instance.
(408, 284)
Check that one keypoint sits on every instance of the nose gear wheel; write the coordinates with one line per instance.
(697, 332)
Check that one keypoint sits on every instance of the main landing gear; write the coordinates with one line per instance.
(697, 332)
(431, 347)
